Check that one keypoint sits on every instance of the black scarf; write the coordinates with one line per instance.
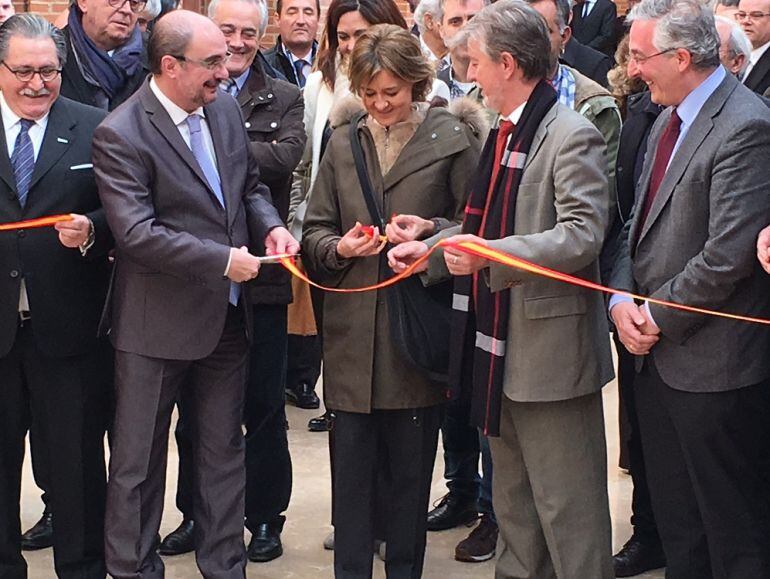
(480, 323)
(111, 73)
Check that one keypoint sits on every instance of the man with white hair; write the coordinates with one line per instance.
(427, 16)
(734, 45)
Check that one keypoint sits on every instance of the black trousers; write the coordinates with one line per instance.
(69, 397)
(642, 516)
(708, 467)
(268, 463)
(212, 389)
(408, 440)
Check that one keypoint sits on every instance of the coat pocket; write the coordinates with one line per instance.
(554, 306)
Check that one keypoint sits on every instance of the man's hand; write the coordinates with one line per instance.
(74, 233)
(763, 248)
(243, 265)
(635, 329)
(460, 263)
(356, 243)
(280, 241)
(403, 228)
(405, 254)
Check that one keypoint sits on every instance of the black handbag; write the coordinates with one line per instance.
(419, 316)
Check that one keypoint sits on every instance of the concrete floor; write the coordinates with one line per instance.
(308, 514)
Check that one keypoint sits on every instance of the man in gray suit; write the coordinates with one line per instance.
(553, 353)
(703, 388)
(182, 195)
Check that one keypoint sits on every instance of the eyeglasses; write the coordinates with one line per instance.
(136, 5)
(210, 63)
(47, 74)
(641, 59)
(739, 16)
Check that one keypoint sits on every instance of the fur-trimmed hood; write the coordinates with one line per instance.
(467, 111)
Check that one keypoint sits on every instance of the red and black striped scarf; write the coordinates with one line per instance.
(480, 317)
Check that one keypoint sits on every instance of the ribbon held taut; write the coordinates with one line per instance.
(34, 223)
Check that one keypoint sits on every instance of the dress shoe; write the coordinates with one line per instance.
(180, 540)
(321, 423)
(637, 556)
(303, 396)
(452, 512)
(40, 536)
(480, 544)
(265, 543)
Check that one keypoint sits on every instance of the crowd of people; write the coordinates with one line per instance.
(180, 161)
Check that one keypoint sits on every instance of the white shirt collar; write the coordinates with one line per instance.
(757, 53)
(515, 116)
(178, 114)
(10, 118)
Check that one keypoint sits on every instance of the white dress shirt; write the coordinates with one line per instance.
(754, 57)
(12, 126)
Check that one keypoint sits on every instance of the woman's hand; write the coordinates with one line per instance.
(404, 255)
(357, 243)
(403, 228)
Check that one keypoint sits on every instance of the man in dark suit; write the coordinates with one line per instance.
(106, 59)
(754, 17)
(55, 282)
(182, 194)
(586, 60)
(272, 111)
(296, 46)
(593, 24)
(702, 392)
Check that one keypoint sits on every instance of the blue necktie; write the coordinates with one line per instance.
(299, 68)
(23, 161)
(230, 87)
(586, 8)
(206, 163)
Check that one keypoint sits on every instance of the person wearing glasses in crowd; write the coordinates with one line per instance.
(754, 18)
(54, 367)
(182, 193)
(106, 58)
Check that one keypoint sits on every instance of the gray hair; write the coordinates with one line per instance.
(738, 43)
(686, 24)
(29, 25)
(563, 12)
(729, 3)
(514, 27)
(427, 7)
(264, 16)
(439, 13)
(152, 9)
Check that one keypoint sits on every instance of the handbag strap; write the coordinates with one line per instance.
(363, 175)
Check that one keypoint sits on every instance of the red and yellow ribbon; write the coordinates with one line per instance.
(33, 223)
(524, 265)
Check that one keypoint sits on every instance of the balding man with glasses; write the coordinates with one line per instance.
(106, 57)
(754, 18)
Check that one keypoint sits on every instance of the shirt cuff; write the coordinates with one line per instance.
(618, 299)
(229, 257)
(647, 311)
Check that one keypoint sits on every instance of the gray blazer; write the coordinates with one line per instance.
(698, 245)
(169, 296)
(558, 338)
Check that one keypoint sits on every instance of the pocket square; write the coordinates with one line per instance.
(83, 166)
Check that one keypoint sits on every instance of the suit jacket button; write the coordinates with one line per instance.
(21, 233)
(14, 273)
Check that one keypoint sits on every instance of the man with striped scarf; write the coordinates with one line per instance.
(532, 353)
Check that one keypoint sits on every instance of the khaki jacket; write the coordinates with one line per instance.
(362, 369)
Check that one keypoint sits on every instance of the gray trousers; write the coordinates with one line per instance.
(146, 390)
(550, 490)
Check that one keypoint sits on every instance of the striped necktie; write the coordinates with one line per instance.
(23, 160)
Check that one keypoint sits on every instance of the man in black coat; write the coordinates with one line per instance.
(296, 47)
(54, 286)
(588, 61)
(754, 18)
(106, 58)
(272, 110)
(593, 24)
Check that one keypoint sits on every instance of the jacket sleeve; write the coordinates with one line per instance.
(278, 159)
(581, 201)
(124, 183)
(739, 207)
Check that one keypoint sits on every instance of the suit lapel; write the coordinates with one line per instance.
(57, 139)
(540, 134)
(168, 131)
(759, 71)
(6, 170)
